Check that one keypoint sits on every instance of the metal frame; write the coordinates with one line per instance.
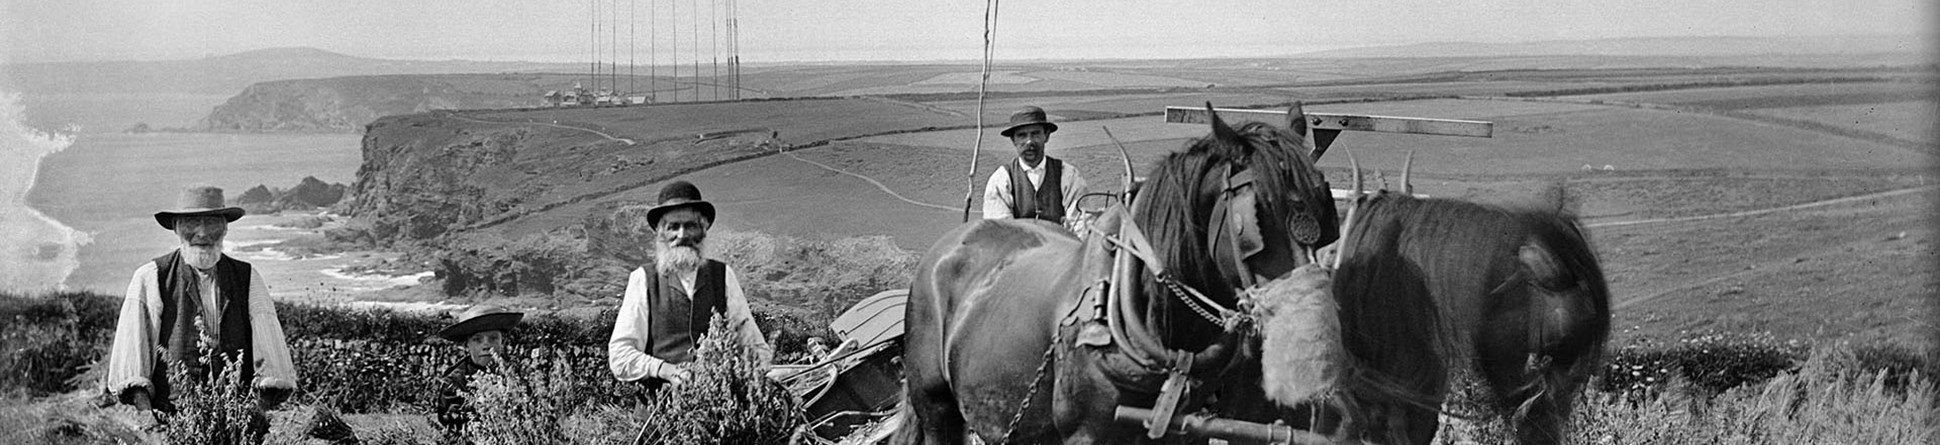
(1327, 126)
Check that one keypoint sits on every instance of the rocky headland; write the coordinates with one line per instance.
(489, 196)
(347, 104)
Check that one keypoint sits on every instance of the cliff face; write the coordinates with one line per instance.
(346, 104)
(421, 176)
(520, 172)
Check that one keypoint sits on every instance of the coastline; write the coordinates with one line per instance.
(40, 251)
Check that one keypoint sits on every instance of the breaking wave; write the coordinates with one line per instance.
(39, 252)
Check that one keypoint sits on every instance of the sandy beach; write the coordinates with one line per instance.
(39, 252)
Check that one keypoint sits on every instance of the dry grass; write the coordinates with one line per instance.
(1822, 403)
(70, 419)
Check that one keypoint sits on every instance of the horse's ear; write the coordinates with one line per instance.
(1221, 131)
(1297, 123)
(1557, 199)
(1297, 120)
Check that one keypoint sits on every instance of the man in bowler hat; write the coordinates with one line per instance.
(197, 299)
(1034, 185)
(667, 308)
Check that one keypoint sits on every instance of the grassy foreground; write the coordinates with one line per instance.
(1707, 389)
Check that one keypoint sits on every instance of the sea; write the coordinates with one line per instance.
(77, 206)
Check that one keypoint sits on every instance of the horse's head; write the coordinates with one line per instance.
(1242, 205)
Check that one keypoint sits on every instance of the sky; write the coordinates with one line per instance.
(846, 30)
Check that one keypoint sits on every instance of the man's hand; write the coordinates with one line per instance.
(673, 374)
(268, 399)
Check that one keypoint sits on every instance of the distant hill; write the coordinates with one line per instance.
(228, 74)
(1648, 46)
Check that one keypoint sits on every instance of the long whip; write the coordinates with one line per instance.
(989, 36)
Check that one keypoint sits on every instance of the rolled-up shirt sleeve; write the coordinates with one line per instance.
(996, 196)
(272, 350)
(131, 356)
(741, 318)
(626, 350)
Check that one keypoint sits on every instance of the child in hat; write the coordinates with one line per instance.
(481, 331)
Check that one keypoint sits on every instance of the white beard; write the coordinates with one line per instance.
(201, 257)
(669, 259)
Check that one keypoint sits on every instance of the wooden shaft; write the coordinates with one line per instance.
(1338, 121)
(1227, 428)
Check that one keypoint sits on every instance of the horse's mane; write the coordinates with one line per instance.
(1173, 207)
(1389, 330)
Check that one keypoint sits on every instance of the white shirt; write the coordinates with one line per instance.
(626, 351)
(997, 192)
(132, 357)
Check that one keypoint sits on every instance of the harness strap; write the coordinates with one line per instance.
(1234, 228)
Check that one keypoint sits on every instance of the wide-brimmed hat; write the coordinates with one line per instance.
(478, 319)
(1029, 116)
(198, 200)
(676, 195)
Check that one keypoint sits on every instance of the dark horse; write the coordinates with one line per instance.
(1236, 207)
(1521, 303)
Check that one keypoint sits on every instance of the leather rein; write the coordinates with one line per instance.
(1234, 224)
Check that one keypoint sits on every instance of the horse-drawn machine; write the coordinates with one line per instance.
(1198, 304)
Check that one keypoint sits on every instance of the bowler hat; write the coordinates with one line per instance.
(676, 195)
(478, 319)
(1029, 116)
(200, 200)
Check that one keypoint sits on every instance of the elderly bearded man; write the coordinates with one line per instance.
(192, 298)
(666, 309)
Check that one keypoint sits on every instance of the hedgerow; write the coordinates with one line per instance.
(48, 342)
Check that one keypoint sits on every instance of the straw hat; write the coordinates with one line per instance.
(478, 319)
(198, 200)
(677, 195)
(1029, 116)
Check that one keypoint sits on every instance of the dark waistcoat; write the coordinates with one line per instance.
(1045, 203)
(181, 303)
(676, 321)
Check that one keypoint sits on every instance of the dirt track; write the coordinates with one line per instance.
(1845, 268)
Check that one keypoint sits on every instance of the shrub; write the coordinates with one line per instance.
(727, 400)
(215, 411)
(1712, 363)
(522, 403)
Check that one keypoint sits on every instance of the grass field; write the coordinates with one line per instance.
(1643, 164)
(1911, 120)
(1531, 138)
(1777, 96)
(1770, 272)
